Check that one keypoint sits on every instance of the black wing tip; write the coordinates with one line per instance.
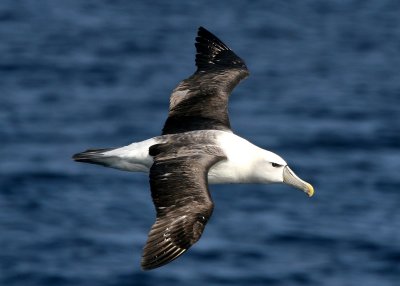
(205, 36)
(212, 53)
(202, 29)
(149, 263)
(159, 252)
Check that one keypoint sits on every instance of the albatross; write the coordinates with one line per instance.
(197, 147)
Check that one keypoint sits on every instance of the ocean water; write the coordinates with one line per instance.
(324, 93)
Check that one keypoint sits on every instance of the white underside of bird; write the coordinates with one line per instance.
(245, 163)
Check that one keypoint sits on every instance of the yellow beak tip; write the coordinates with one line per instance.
(310, 191)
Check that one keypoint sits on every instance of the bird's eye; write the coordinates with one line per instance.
(275, 165)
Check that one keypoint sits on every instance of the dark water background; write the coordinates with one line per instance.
(324, 92)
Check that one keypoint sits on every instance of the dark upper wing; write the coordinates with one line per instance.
(201, 101)
(178, 181)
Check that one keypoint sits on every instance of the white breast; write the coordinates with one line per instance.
(242, 159)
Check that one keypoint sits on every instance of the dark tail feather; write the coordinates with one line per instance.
(91, 156)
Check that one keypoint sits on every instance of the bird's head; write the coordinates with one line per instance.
(275, 170)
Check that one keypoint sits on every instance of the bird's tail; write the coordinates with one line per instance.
(92, 156)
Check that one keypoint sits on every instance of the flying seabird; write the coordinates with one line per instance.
(197, 147)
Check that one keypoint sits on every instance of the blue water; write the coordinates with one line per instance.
(324, 93)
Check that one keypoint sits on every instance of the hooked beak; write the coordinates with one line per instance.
(290, 178)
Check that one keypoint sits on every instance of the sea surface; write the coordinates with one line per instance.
(324, 93)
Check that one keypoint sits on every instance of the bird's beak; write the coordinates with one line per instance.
(290, 178)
